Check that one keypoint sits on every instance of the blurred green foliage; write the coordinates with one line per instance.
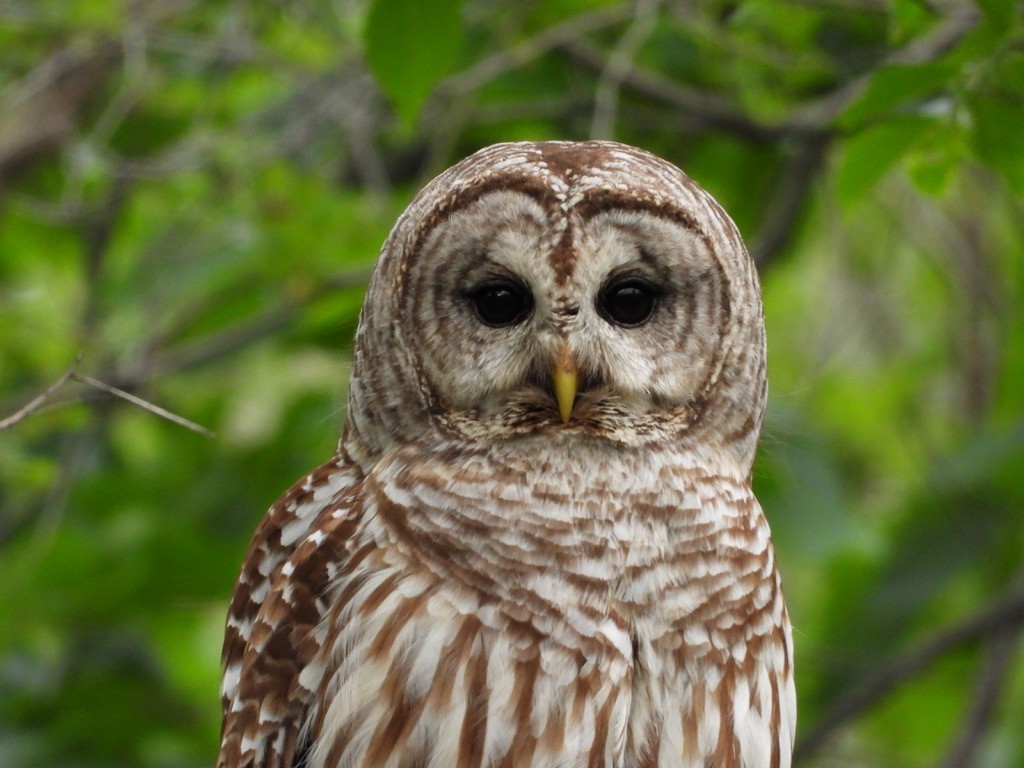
(192, 195)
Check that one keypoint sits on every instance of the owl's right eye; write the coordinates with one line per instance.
(501, 304)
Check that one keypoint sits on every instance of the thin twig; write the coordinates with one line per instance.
(224, 343)
(42, 111)
(704, 109)
(143, 404)
(620, 61)
(1003, 615)
(472, 79)
(41, 399)
(813, 119)
(988, 689)
(216, 346)
(787, 202)
(821, 112)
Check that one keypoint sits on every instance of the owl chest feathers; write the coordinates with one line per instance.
(518, 612)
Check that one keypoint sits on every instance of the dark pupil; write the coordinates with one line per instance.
(499, 305)
(628, 303)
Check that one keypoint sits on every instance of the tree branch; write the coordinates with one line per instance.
(620, 61)
(988, 689)
(41, 399)
(145, 405)
(1004, 615)
(704, 110)
(228, 341)
(46, 107)
(787, 203)
(553, 37)
(812, 120)
(819, 114)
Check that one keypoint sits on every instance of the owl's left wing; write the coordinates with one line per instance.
(275, 609)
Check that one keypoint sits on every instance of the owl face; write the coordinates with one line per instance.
(513, 298)
(564, 288)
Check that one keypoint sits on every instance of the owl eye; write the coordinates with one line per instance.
(627, 301)
(501, 304)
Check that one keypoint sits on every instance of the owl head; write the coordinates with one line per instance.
(577, 291)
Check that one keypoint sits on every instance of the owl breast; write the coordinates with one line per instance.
(488, 616)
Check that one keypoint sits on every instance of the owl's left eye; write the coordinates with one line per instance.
(501, 304)
(628, 302)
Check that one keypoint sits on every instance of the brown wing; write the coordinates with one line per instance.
(277, 604)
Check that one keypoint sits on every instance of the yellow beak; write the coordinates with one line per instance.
(565, 379)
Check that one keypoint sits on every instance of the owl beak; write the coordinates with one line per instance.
(565, 379)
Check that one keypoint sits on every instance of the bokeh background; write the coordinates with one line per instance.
(193, 192)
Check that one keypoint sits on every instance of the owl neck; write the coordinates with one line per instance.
(557, 450)
(558, 520)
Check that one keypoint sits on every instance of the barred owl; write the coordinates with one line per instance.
(537, 544)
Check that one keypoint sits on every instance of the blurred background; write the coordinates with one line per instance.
(193, 192)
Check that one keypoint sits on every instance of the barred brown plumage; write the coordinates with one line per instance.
(492, 572)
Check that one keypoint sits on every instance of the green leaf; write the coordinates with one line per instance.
(908, 18)
(410, 46)
(936, 158)
(998, 137)
(999, 12)
(963, 520)
(800, 485)
(894, 86)
(870, 153)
